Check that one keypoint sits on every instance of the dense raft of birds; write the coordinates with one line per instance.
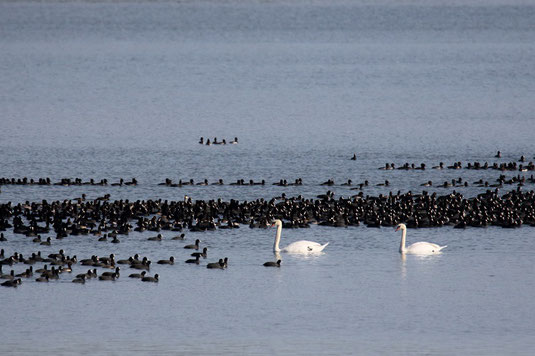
(82, 217)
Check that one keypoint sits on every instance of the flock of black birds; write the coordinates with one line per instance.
(459, 182)
(512, 166)
(59, 264)
(81, 217)
(112, 221)
(504, 166)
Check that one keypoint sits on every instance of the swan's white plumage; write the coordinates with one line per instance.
(302, 246)
(417, 248)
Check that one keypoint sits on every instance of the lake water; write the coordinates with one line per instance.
(126, 89)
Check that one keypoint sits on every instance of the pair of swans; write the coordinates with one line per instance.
(307, 247)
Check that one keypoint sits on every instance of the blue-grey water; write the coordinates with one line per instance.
(126, 89)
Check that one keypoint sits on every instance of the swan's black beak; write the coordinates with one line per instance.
(397, 228)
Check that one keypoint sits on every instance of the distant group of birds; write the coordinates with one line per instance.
(510, 166)
(215, 141)
(502, 166)
(459, 182)
(66, 182)
(500, 182)
(241, 182)
(499, 166)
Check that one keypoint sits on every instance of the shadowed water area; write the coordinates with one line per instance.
(111, 90)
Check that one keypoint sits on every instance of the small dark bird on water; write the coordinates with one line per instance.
(151, 279)
(193, 247)
(273, 264)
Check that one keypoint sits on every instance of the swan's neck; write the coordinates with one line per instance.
(402, 248)
(277, 239)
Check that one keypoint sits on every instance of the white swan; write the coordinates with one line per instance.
(417, 248)
(302, 246)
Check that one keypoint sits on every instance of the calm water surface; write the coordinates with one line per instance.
(125, 89)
